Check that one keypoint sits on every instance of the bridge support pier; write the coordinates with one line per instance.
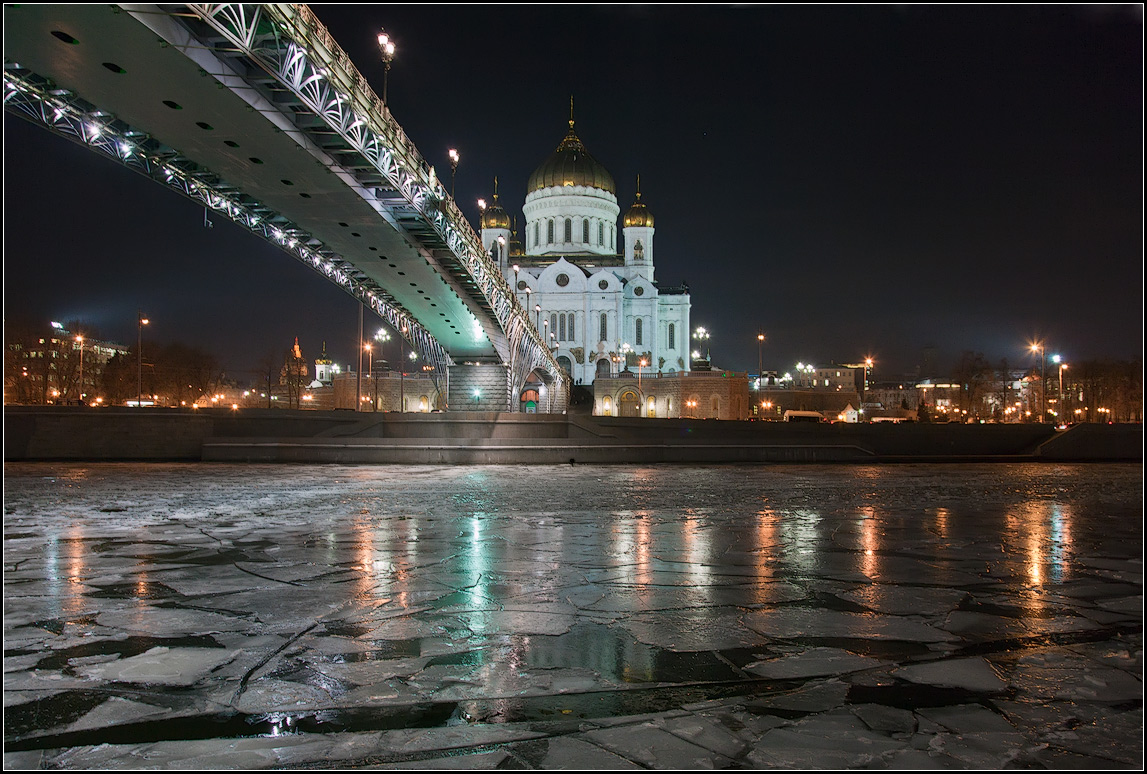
(482, 387)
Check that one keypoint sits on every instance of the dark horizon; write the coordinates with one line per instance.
(855, 181)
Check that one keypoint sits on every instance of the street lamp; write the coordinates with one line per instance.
(80, 339)
(402, 371)
(370, 370)
(477, 398)
(516, 268)
(1061, 413)
(538, 316)
(382, 337)
(864, 394)
(702, 336)
(139, 358)
(1038, 347)
(454, 157)
(640, 364)
(386, 51)
(760, 366)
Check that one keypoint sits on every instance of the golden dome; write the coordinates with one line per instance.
(495, 217)
(571, 165)
(638, 215)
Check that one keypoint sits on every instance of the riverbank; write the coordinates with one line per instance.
(272, 435)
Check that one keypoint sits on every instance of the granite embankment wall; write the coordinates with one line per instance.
(262, 435)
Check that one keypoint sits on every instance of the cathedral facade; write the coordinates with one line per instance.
(599, 306)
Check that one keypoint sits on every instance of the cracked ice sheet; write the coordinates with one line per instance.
(795, 623)
(814, 662)
(161, 666)
(684, 630)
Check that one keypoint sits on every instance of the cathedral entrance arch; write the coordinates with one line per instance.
(629, 404)
(529, 401)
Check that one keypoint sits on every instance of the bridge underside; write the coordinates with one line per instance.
(206, 107)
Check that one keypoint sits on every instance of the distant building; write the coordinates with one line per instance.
(689, 394)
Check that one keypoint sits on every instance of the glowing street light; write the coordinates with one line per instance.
(1061, 412)
(454, 157)
(80, 339)
(1038, 347)
(139, 358)
(370, 370)
(386, 51)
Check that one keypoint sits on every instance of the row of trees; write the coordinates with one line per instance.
(1092, 390)
(55, 367)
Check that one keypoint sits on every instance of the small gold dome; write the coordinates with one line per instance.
(571, 165)
(638, 215)
(495, 217)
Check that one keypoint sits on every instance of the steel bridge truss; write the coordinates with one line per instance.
(298, 52)
(67, 115)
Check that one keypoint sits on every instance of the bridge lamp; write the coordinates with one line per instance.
(386, 51)
(454, 157)
(477, 397)
(538, 314)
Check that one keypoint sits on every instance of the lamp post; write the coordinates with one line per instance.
(80, 339)
(1038, 347)
(477, 399)
(1061, 413)
(640, 364)
(139, 358)
(382, 337)
(702, 337)
(864, 394)
(454, 157)
(370, 370)
(760, 366)
(516, 268)
(538, 316)
(402, 372)
(386, 51)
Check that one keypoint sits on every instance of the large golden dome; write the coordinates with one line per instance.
(571, 165)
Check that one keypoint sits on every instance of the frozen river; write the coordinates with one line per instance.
(239, 616)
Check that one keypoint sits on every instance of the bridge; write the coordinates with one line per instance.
(256, 112)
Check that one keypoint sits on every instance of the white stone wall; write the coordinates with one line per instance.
(579, 204)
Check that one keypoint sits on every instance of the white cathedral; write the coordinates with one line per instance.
(602, 311)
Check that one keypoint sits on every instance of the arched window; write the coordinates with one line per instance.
(569, 230)
(600, 234)
(535, 233)
(561, 327)
(672, 336)
(604, 329)
(637, 331)
(554, 324)
(585, 231)
(573, 336)
(550, 233)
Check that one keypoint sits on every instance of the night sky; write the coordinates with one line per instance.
(852, 180)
